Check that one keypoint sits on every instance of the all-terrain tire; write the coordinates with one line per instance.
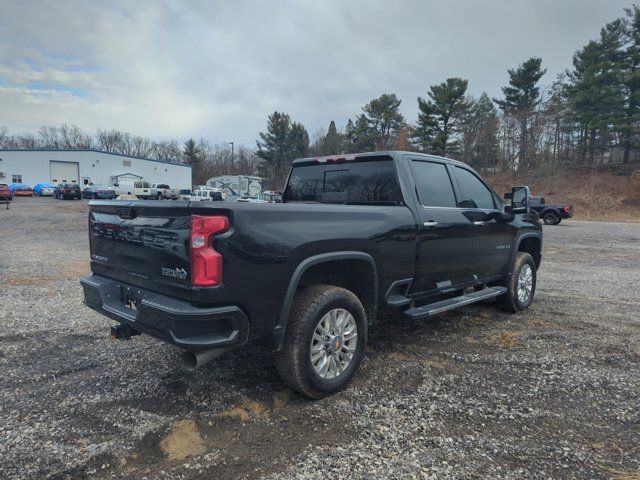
(293, 361)
(510, 301)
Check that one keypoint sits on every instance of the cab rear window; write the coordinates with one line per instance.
(360, 182)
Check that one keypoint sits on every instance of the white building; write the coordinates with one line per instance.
(86, 166)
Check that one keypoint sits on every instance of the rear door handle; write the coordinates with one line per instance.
(430, 223)
(479, 223)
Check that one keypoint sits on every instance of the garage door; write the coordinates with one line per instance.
(63, 172)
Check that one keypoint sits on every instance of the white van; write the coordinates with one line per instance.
(139, 189)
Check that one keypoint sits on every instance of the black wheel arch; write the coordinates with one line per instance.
(530, 242)
(314, 270)
(555, 211)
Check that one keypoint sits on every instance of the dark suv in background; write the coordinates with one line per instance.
(68, 190)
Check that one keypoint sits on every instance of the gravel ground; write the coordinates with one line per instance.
(553, 392)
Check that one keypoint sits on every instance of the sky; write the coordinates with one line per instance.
(215, 69)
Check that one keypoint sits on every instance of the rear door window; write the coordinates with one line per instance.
(370, 181)
(433, 184)
(475, 194)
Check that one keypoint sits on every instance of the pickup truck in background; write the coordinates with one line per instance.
(356, 235)
(162, 191)
(551, 214)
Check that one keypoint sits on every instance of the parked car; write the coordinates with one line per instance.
(551, 214)
(21, 190)
(162, 191)
(185, 194)
(206, 195)
(6, 195)
(99, 191)
(65, 191)
(406, 231)
(44, 189)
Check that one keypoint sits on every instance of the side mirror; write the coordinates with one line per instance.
(520, 200)
(115, 184)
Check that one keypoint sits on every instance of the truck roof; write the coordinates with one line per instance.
(385, 153)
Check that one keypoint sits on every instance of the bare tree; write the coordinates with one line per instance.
(108, 140)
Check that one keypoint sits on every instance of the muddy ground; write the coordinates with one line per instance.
(553, 392)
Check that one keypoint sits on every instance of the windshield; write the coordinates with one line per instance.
(369, 181)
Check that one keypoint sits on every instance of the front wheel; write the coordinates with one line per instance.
(521, 286)
(324, 342)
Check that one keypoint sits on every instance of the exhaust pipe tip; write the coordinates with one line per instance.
(191, 360)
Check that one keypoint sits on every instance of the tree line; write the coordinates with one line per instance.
(589, 115)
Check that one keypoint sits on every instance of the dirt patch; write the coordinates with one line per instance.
(183, 441)
(398, 357)
(282, 398)
(244, 412)
(538, 322)
(501, 340)
(504, 340)
(614, 474)
(253, 409)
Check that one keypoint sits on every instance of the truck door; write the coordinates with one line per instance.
(492, 235)
(445, 250)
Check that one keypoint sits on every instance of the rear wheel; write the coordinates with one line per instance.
(522, 284)
(550, 218)
(324, 342)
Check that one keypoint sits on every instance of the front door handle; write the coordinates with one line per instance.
(430, 224)
(479, 223)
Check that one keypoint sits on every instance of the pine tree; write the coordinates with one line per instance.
(359, 136)
(596, 91)
(440, 116)
(332, 141)
(193, 156)
(283, 142)
(631, 125)
(480, 136)
(521, 97)
(383, 121)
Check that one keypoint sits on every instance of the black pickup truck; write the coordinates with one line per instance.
(355, 234)
(549, 213)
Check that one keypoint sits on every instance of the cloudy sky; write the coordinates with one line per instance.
(216, 69)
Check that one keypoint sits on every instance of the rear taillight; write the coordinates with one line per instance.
(206, 263)
(567, 208)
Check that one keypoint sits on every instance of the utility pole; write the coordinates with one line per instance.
(232, 159)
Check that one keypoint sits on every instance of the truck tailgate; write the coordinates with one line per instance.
(143, 244)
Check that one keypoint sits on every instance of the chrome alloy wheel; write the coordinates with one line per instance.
(333, 343)
(525, 283)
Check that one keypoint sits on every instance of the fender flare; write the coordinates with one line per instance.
(276, 338)
(517, 243)
(555, 211)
